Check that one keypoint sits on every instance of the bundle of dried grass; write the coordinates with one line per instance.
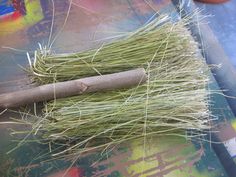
(173, 100)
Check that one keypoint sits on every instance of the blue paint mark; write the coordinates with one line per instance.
(6, 7)
(159, 1)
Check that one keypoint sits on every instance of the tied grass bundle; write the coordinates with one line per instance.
(173, 100)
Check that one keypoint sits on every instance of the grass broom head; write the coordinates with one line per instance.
(174, 98)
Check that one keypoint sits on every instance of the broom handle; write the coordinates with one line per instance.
(47, 92)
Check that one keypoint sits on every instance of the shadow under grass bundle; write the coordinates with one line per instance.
(174, 98)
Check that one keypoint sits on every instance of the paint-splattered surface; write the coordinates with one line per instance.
(24, 24)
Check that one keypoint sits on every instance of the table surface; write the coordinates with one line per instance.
(222, 20)
(88, 21)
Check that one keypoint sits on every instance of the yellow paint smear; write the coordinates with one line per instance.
(161, 144)
(233, 123)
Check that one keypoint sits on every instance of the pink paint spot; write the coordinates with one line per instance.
(92, 5)
(11, 17)
(75, 172)
(16, 15)
(72, 172)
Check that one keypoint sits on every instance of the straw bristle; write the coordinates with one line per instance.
(173, 100)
